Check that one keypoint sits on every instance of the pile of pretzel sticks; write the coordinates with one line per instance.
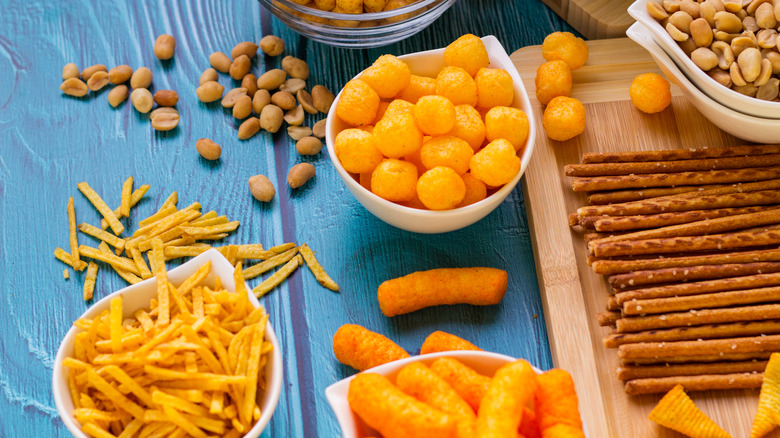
(690, 242)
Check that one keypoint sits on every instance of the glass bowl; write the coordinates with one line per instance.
(363, 30)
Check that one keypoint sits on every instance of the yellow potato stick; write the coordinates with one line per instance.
(173, 233)
(174, 252)
(768, 399)
(65, 274)
(208, 222)
(217, 402)
(677, 412)
(253, 368)
(126, 275)
(101, 207)
(85, 415)
(163, 399)
(166, 374)
(159, 338)
(61, 255)
(183, 423)
(274, 280)
(146, 322)
(206, 217)
(157, 260)
(159, 215)
(266, 265)
(278, 249)
(74, 244)
(216, 343)
(134, 199)
(176, 219)
(74, 363)
(89, 281)
(319, 273)
(114, 395)
(116, 324)
(105, 236)
(132, 428)
(127, 193)
(73, 389)
(171, 200)
(218, 236)
(249, 251)
(195, 278)
(212, 229)
(138, 259)
(96, 431)
(131, 384)
(110, 258)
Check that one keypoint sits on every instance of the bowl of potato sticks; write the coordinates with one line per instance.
(188, 352)
(434, 141)
(456, 393)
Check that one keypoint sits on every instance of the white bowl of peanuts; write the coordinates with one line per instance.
(180, 397)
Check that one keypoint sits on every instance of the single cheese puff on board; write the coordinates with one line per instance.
(362, 349)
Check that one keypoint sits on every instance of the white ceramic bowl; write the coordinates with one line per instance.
(424, 221)
(740, 125)
(725, 96)
(138, 296)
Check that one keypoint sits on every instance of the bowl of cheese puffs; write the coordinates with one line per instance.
(432, 142)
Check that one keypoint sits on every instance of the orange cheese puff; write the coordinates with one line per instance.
(423, 384)
(435, 115)
(467, 52)
(650, 93)
(529, 428)
(388, 75)
(418, 87)
(556, 400)
(415, 159)
(476, 190)
(441, 341)
(508, 123)
(457, 85)
(418, 290)
(468, 383)
(501, 411)
(496, 164)
(358, 103)
(365, 180)
(562, 431)
(395, 180)
(469, 126)
(399, 106)
(362, 349)
(394, 414)
(566, 47)
(564, 118)
(553, 79)
(446, 150)
(441, 188)
(356, 151)
(380, 111)
(414, 203)
(397, 134)
(494, 88)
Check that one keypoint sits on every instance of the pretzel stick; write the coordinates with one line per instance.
(712, 331)
(705, 358)
(619, 196)
(726, 241)
(630, 372)
(609, 267)
(606, 319)
(600, 183)
(704, 301)
(631, 168)
(679, 349)
(695, 383)
(679, 154)
(700, 287)
(701, 317)
(638, 222)
(612, 304)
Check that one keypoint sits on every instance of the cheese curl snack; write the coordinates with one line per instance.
(442, 341)
(556, 400)
(469, 384)
(501, 411)
(362, 349)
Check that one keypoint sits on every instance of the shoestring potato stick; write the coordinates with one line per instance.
(101, 207)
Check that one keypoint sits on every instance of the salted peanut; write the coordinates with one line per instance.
(701, 32)
(467, 52)
(446, 150)
(764, 74)
(271, 80)
(70, 70)
(553, 79)
(749, 64)
(476, 190)
(120, 74)
(298, 132)
(322, 98)
(210, 91)
(261, 188)
(441, 188)
(293, 85)
(164, 119)
(566, 47)
(243, 107)
(272, 45)
(765, 16)
(142, 78)
(271, 118)
(319, 128)
(774, 58)
(220, 62)
(74, 87)
(308, 146)
(725, 55)
(736, 75)
(142, 100)
(117, 95)
(397, 135)
(469, 126)
(720, 76)
(300, 174)
(741, 43)
(671, 6)
(260, 100)
(305, 100)
(247, 48)
(98, 80)
(676, 33)
(727, 22)
(283, 100)
(682, 21)
(769, 91)
(508, 123)
(250, 83)
(232, 96)
(563, 119)
(208, 149)
(295, 116)
(395, 180)
(656, 11)
(358, 103)
(767, 38)
(388, 75)
(418, 87)
(704, 58)
(295, 68)
(249, 128)
(434, 115)
(89, 71)
(457, 85)
(240, 67)
(356, 151)
(690, 7)
(208, 75)
(164, 47)
(748, 23)
(748, 89)
(166, 98)
(496, 164)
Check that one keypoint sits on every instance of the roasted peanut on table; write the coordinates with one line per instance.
(294, 117)
(210, 91)
(232, 96)
(271, 80)
(247, 48)
(97, 81)
(250, 83)
(308, 146)
(260, 100)
(261, 188)
(322, 98)
(141, 78)
(318, 130)
(283, 100)
(272, 45)
(89, 71)
(208, 149)
(74, 87)
(220, 62)
(70, 70)
(166, 98)
(271, 118)
(142, 100)
(298, 132)
(164, 119)
(295, 68)
(300, 174)
(164, 47)
(249, 128)
(208, 75)
(117, 95)
(243, 107)
(240, 67)
(120, 74)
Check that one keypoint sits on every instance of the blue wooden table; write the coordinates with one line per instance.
(50, 142)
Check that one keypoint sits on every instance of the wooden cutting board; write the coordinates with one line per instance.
(571, 293)
(595, 19)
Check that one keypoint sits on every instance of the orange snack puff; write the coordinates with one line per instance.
(356, 151)
(768, 400)
(395, 180)
(566, 47)
(677, 412)
(394, 414)
(501, 411)
(467, 52)
(441, 341)
(650, 93)
(365, 180)
(468, 383)
(397, 134)
(469, 126)
(508, 123)
(380, 111)
(457, 85)
(494, 88)
(564, 118)
(556, 400)
(553, 79)
(476, 286)
(529, 428)
(362, 349)
(388, 75)
(358, 103)
(414, 203)
(446, 150)
(418, 87)
(415, 159)
(435, 115)
(496, 164)
(441, 188)
(563, 431)
(476, 190)
(399, 106)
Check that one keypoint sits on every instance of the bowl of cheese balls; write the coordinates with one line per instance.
(434, 141)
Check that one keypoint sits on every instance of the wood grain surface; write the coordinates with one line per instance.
(50, 142)
(572, 293)
(595, 19)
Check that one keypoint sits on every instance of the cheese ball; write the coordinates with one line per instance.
(476, 190)
(553, 79)
(397, 135)
(418, 87)
(388, 75)
(365, 180)
(446, 150)
(494, 88)
(350, 6)
(434, 115)
(400, 106)
(467, 52)
(650, 93)
(415, 158)
(441, 188)
(508, 123)
(457, 85)
(358, 103)
(414, 203)
(496, 164)
(469, 126)
(394, 180)
(374, 5)
(564, 118)
(566, 47)
(380, 111)
(356, 151)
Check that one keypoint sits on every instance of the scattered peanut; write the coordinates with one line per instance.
(70, 70)
(142, 100)
(243, 107)
(261, 188)
(89, 71)
(117, 95)
(295, 116)
(295, 68)
(247, 48)
(308, 146)
(260, 100)
(322, 98)
(298, 132)
(304, 99)
(319, 128)
(300, 174)
(208, 75)
(120, 74)
(208, 149)
(249, 128)
(293, 85)
(74, 87)
(210, 91)
(98, 80)
(272, 45)
(283, 100)
(142, 78)
(164, 47)
(164, 119)
(271, 118)
(232, 96)
(220, 62)
(166, 98)
(250, 83)
(240, 67)
(271, 80)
